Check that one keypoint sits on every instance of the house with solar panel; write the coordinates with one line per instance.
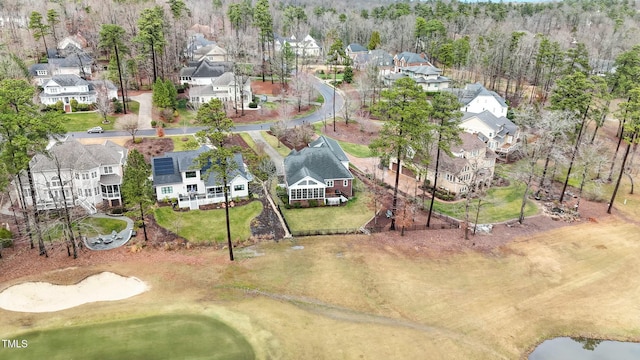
(177, 176)
(318, 174)
(89, 176)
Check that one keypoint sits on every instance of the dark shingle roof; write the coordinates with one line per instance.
(207, 69)
(319, 163)
(69, 80)
(355, 47)
(185, 161)
(333, 145)
(411, 57)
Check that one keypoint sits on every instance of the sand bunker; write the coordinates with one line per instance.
(39, 297)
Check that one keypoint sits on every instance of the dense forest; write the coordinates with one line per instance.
(516, 49)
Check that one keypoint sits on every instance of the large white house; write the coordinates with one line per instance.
(177, 176)
(79, 64)
(307, 47)
(475, 98)
(203, 72)
(65, 88)
(499, 133)
(225, 88)
(85, 175)
(428, 77)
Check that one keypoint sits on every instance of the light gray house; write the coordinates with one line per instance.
(499, 133)
(89, 176)
(428, 77)
(475, 98)
(176, 175)
(203, 72)
(319, 173)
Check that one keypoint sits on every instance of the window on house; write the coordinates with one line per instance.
(238, 187)
(54, 90)
(77, 176)
(107, 169)
(166, 190)
(190, 174)
(329, 183)
(94, 174)
(345, 183)
(87, 192)
(192, 188)
(95, 191)
(56, 183)
(85, 176)
(41, 72)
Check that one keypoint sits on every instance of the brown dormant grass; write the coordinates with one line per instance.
(348, 297)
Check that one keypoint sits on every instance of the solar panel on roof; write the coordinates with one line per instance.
(163, 166)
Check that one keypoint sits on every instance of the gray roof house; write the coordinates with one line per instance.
(353, 49)
(204, 72)
(79, 64)
(176, 175)
(318, 173)
(427, 76)
(475, 98)
(65, 88)
(224, 88)
(89, 176)
(408, 58)
(499, 133)
(379, 58)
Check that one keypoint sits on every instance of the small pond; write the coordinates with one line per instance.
(585, 349)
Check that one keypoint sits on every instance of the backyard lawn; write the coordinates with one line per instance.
(89, 227)
(500, 204)
(157, 337)
(354, 214)
(208, 226)
(357, 150)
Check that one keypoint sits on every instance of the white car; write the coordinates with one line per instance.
(97, 129)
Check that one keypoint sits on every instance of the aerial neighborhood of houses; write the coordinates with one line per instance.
(90, 176)
(316, 174)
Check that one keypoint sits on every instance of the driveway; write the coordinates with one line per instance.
(144, 113)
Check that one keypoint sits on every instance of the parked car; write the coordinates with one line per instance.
(97, 129)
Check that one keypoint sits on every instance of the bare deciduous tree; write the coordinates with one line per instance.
(129, 123)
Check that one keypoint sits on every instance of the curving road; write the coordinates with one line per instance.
(325, 111)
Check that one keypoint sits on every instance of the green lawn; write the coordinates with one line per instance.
(207, 226)
(329, 76)
(273, 141)
(357, 150)
(249, 140)
(179, 144)
(89, 227)
(133, 106)
(354, 214)
(500, 204)
(156, 337)
(85, 120)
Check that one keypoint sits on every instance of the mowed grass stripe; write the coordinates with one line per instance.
(156, 337)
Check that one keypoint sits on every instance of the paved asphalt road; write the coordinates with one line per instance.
(325, 111)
